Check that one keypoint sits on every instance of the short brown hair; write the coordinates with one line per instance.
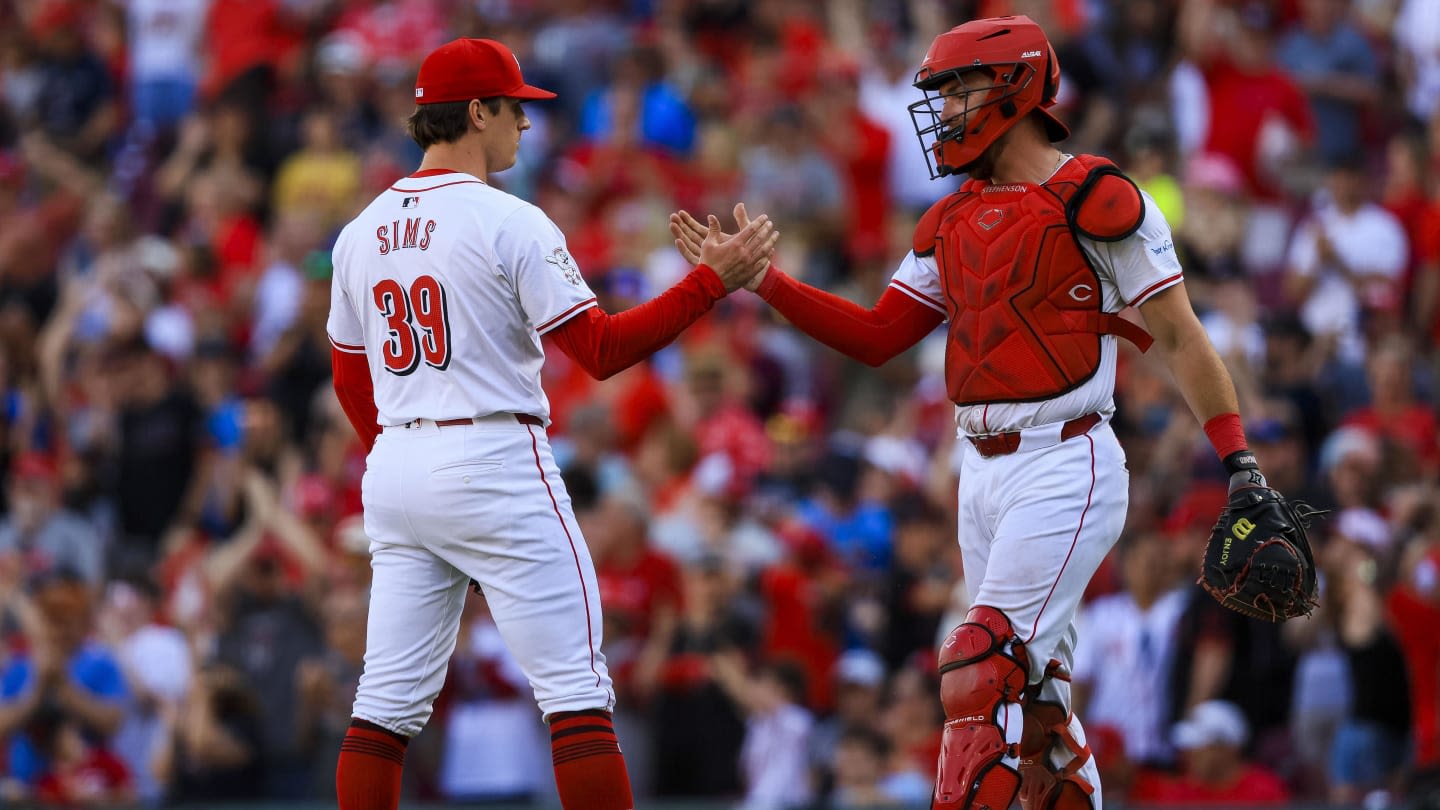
(446, 122)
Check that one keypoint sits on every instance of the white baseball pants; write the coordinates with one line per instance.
(483, 501)
(1034, 527)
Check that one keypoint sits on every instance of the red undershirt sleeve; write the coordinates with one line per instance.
(872, 336)
(605, 344)
(357, 394)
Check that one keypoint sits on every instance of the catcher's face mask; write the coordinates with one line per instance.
(964, 114)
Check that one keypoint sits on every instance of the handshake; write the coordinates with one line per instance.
(740, 259)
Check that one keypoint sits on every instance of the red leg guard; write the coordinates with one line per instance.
(982, 666)
(1042, 785)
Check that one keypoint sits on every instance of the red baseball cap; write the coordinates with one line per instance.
(472, 68)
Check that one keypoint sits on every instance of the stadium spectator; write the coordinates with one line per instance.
(1335, 66)
(322, 177)
(641, 589)
(64, 670)
(1124, 657)
(159, 669)
(1345, 263)
(1369, 746)
(688, 764)
(886, 92)
(1211, 740)
(860, 148)
(859, 677)
(1396, 414)
(911, 722)
(326, 684)
(1241, 105)
(267, 627)
(773, 757)
(488, 716)
(916, 589)
(785, 175)
(664, 119)
(1412, 605)
(39, 532)
(75, 101)
(1230, 652)
(859, 765)
(77, 773)
(1213, 231)
(164, 40)
(1149, 157)
(214, 741)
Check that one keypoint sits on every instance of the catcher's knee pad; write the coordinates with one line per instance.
(1042, 785)
(982, 666)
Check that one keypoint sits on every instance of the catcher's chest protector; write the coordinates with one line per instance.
(1025, 306)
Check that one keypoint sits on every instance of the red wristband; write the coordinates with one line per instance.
(1226, 434)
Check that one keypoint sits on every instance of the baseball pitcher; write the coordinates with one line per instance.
(1030, 262)
(443, 286)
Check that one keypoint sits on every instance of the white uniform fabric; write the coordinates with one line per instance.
(1035, 525)
(506, 278)
(484, 274)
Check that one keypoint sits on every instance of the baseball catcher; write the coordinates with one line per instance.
(1258, 561)
(1030, 262)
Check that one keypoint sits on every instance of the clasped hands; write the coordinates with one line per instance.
(740, 259)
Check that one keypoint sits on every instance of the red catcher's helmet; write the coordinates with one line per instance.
(1006, 68)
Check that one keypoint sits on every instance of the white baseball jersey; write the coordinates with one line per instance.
(446, 285)
(1131, 271)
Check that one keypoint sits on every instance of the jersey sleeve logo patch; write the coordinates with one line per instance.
(566, 265)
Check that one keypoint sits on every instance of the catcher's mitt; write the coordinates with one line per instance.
(1258, 561)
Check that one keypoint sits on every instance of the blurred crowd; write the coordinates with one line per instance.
(183, 572)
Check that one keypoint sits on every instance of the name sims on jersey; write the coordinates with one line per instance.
(393, 238)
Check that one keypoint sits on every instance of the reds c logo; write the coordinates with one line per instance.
(1082, 292)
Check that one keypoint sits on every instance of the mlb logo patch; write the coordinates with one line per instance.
(410, 202)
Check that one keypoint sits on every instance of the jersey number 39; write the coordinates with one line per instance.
(419, 324)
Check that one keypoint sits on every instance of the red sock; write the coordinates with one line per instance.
(589, 770)
(368, 777)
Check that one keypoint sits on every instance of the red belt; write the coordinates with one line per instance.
(522, 418)
(1003, 444)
